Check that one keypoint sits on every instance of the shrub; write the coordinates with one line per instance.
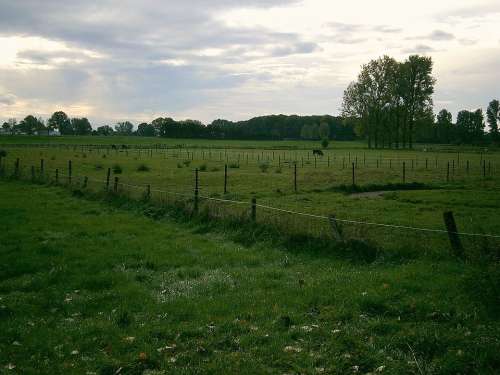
(179, 165)
(325, 142)
(142, 168)
(202, 168)
(187, 163)
(264, 166)
(117, 169)
(278, 170)
(98, 167)
(233, 165)
(214, 169)
(3, 153)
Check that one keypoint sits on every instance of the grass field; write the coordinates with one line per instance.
(88, 286)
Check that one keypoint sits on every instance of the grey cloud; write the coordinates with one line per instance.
(298, 48)
(436, 35)
(7, 99)
(419, 48)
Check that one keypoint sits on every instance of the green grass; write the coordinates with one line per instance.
(89, 286)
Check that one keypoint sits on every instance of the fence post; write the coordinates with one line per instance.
(148, 191)
(467, 168)
(295, 177)
(451, 227)
(353, 177)
(85, 182)
(336, 230)
(448, 172)
(426, 163)
(57, 176)
(196, 192)
(42, 167)
(225, 178)
(108, 175)
(254, 210)
(69, 171)
(115, 186)
(404, 172)
(484, 168)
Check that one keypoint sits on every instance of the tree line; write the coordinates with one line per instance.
(273, 127)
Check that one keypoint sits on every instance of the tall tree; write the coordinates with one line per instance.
(493, 118)
(416, 92)
(81, 126)
(146, 130)
(30, 124)
(444, 126)
(124, 128)
(59, 120)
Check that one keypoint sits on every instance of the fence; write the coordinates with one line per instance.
(400, 238)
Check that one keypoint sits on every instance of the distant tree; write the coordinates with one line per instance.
(124, 128)
(324, 130)
(81, 126)
(444, 126)
(146, 130)
(6, 127)
(325, 142)
(59, 120)
(493, 118)
(470, 126)
(30, 124)
(104, 130)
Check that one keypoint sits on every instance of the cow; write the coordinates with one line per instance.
(317, 152)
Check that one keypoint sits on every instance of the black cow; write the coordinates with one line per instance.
(318, 152)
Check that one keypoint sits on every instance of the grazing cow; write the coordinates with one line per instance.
(124, 147)
(318, 152)
(113, 147)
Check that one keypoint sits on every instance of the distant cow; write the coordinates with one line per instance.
(317, 152)
(113, 147)
(124, 147)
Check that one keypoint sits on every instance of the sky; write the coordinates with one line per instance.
(117, 60)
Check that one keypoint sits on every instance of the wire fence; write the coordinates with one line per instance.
(295, 224)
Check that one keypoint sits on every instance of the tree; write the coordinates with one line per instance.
(325, 142)
(124, 128)
(417, 89)
(470, 126)
(104, 130)
(493, 118)
(59, 120)
(146, 130)
(6, 127)
(30, 124)
(81, 126)
(324, 130)
(444, 126)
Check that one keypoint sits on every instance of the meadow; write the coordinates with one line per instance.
(109, 283)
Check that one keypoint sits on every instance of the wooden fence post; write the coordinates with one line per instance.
(484, 168)
(336, 229)
(254, 210)
(42, 167)
(85, 182)
(353, 177)
(404, 172)
(148, 191)
(295, 177)
(108, 175)
(225, 178)
(467, 168)
(69, 171)
(57, 176)
(115, 185)
(448, 172)
(196, 191)
(451, 227)
(16, 168)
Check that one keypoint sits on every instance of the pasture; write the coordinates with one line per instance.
(110, 283)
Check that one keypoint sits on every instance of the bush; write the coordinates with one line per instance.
(325, 142)
(202, 168)
(214, 169)
(142, 168)
(179, 165)
(117, 169)
(278, 170)
(3, 153)
(264, 166)
(187, 163)
(98, 167)
(233, 165)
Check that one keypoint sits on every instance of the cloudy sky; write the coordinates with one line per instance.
(114, 60)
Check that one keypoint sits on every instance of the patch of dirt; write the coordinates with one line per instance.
(369, 194)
